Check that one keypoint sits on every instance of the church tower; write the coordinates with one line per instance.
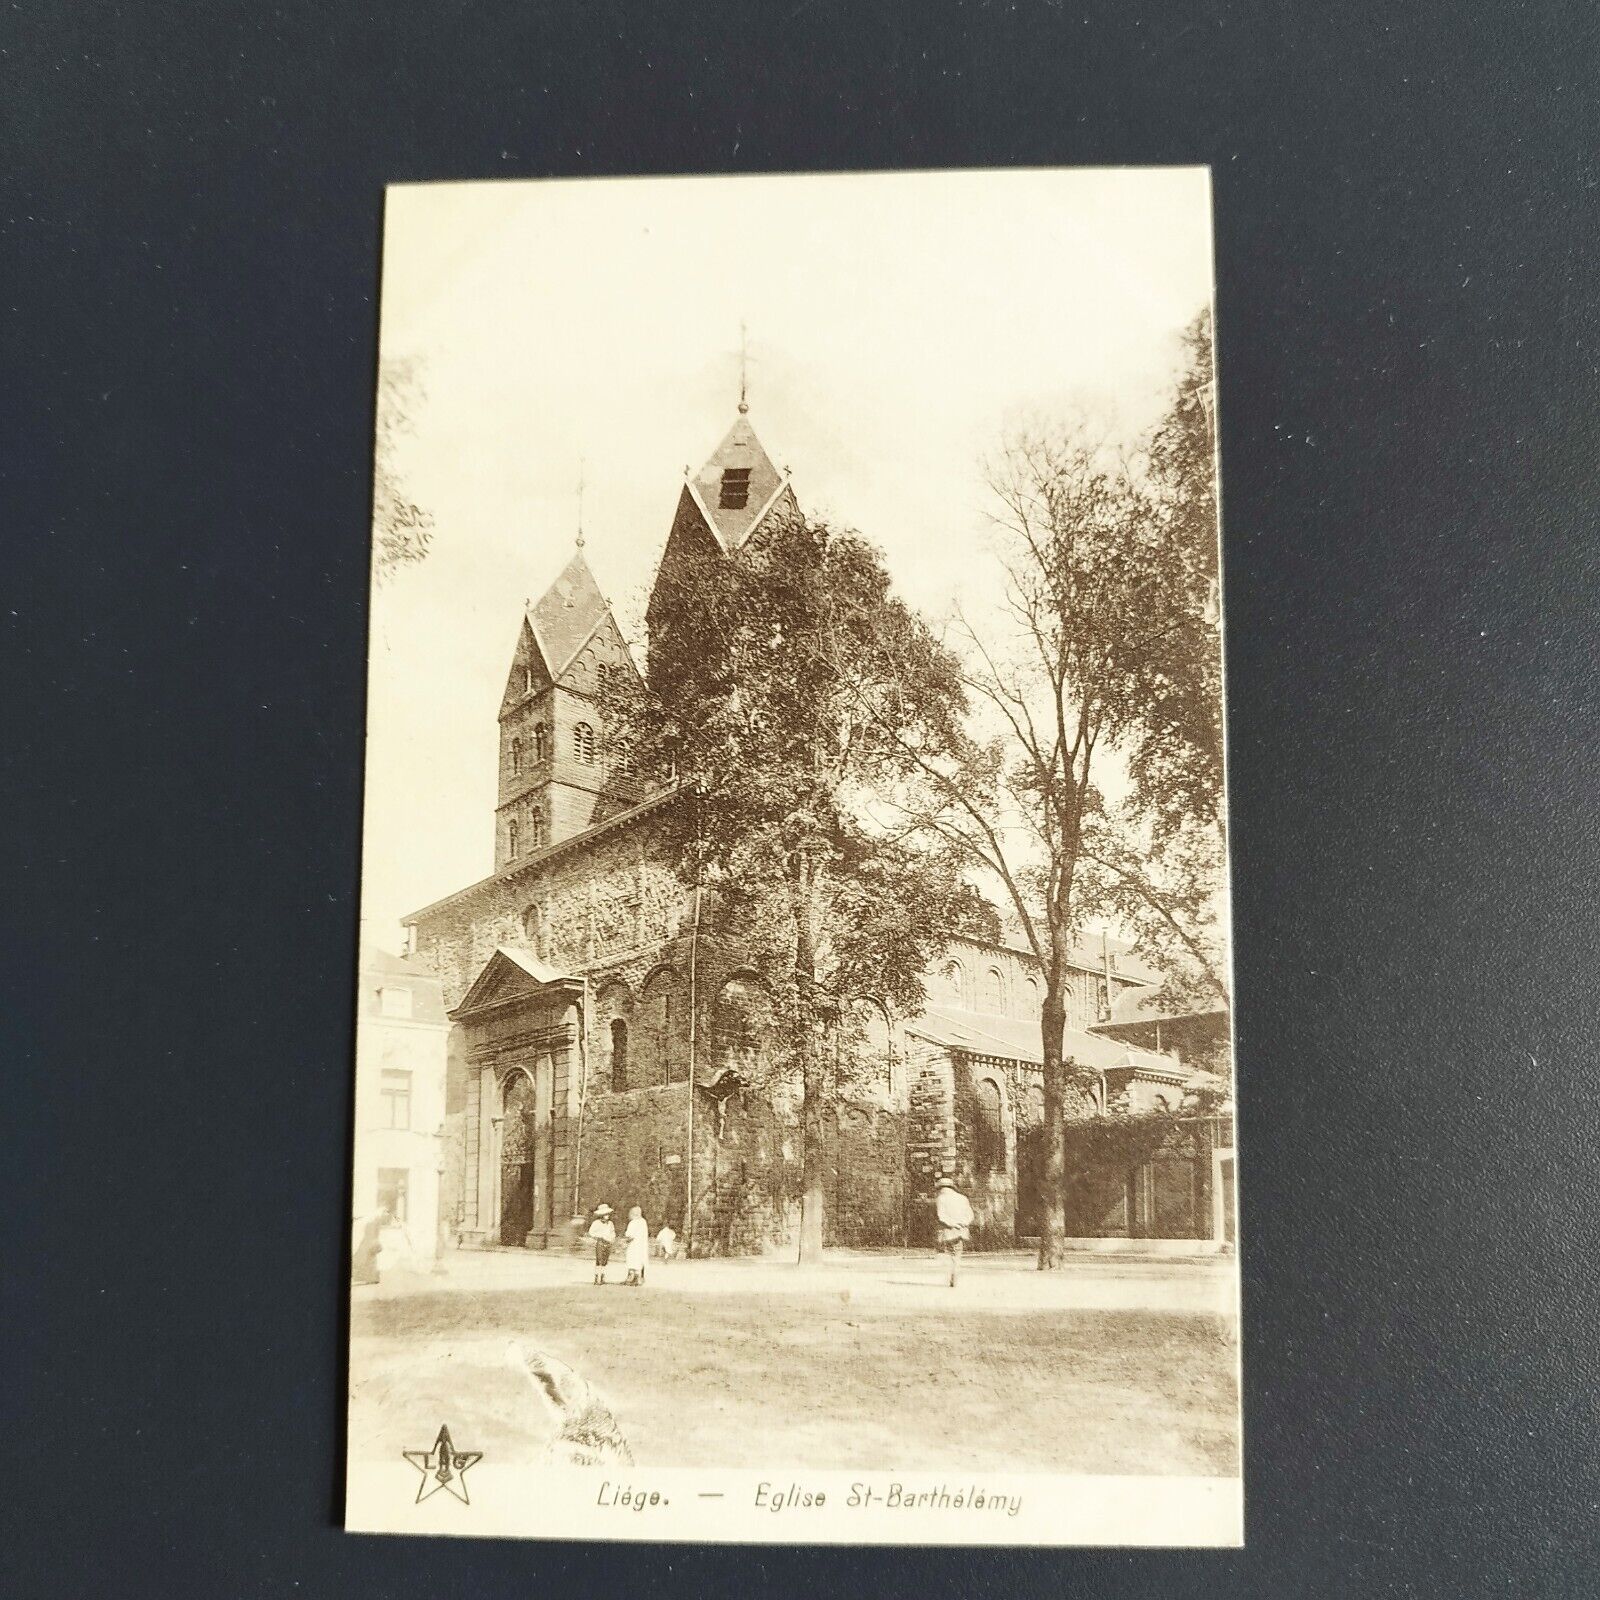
(555, 778)
(728, 501)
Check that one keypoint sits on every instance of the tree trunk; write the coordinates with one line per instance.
(1052, 1176)
(813, 1089)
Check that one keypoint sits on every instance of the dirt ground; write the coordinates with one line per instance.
(1114, 1368)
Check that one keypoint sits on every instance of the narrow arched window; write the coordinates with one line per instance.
(952, 979)
(988, 1133)
(527, 680)
(513, 833)
(619, 1055)
(994, 990)
(583, 743)
(532, 927)
(516, 757)
(536, 830)
(541, 741)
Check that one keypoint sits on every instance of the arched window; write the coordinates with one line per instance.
(527, 680)
(952, 979)
(583, 743)
(532, 928)
(516, 757)
(541, 741)
(619, 1055)
(513, 833)
(988, 1132)
(1032, 996)
(994, 990)
(740, 1023)
(536, 830)
(870, 1052)
(664, 1061)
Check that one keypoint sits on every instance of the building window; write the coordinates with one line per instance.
(952, 979)
(988, 1132)
(536, 830)
(527, 680)
(619, 1055)
(516, 757)
(541, 741)
(393, 1002)
(395, 1100)
(532, 920)
(513, 832)
(393, 1185)
(583, 743)
(735, 495)
(655, 1019)
(1030, 993)
(994, 990)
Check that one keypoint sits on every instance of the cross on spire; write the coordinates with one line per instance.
(580, 502)
(744, 362)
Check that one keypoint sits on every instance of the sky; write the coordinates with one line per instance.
(590, 331)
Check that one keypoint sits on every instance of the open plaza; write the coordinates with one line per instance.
(1113, 1364)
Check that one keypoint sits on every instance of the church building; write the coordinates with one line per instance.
(605, 1033)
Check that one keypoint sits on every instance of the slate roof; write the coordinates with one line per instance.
(742, 451)
(1143, 1005)
(565, 616)
(1012, 1039)
(1086, 955)
(382, 970)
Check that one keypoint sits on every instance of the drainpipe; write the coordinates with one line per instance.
(694, 1015)
(583, 1092)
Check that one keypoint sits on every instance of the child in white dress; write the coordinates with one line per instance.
(638, 1236)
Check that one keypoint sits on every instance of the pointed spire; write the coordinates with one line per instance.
(737, 484)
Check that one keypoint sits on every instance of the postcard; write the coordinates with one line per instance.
(794, 1093)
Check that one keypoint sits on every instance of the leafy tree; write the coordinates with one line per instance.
(771, 698)
(1157, 865)
(401, 529)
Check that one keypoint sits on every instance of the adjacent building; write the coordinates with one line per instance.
(401, 1034)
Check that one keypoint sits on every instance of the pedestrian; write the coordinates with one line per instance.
(604, 1233)
(667, 1242)
(638, 1237)
(955, 1222)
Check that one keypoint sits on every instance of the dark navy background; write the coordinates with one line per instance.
(1405, 205)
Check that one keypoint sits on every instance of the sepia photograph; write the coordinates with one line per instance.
(793, 1087)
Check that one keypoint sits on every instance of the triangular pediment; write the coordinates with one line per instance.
(511, 975)
(529, 674)
(737, 484)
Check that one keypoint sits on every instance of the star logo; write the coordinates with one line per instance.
(443, 1467)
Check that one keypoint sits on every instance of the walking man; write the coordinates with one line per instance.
(955, 1222)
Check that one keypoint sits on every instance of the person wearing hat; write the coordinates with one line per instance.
(604, 1233)
(954, 1211)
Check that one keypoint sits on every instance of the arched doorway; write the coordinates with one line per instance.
(523, 1189)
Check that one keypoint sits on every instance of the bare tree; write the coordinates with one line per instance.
(1093, 590)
